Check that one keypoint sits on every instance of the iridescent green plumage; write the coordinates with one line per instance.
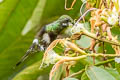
(59, 24)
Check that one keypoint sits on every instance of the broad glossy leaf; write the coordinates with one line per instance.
(35, 18)
(84, 77)
(58, 73)
(11, 30)
(113, 72)
(33, 72)
(70, 79)
(116, 32)
(12, 44)
(97, 73)
(6, 10)
(11, 56)
(117, 66)
(84, 40)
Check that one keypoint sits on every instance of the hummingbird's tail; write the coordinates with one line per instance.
(35, 47)
(30, 50)
(23, 58)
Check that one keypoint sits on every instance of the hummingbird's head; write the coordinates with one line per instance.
(65, 21)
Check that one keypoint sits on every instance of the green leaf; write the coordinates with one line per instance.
(58, 73)
(113, 72)
(84, 40)
(33, 73)
(84, 77)
(116, 31)
(12, 55)
(70, 79)
(97, 73)
(35, 18)
(6, 10)
(12, 45)
(15, 22)
(117, 66)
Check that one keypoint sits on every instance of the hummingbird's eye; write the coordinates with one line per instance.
(67, 20)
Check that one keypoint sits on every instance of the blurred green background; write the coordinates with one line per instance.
(19, 22)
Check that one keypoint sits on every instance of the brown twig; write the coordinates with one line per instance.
(79, 72)
(71, 7)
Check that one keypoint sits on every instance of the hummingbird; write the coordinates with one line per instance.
(46, 35)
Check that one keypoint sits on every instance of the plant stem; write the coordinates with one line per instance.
(79, 72)
(85, 32)
(66, 59)
(104, 62)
